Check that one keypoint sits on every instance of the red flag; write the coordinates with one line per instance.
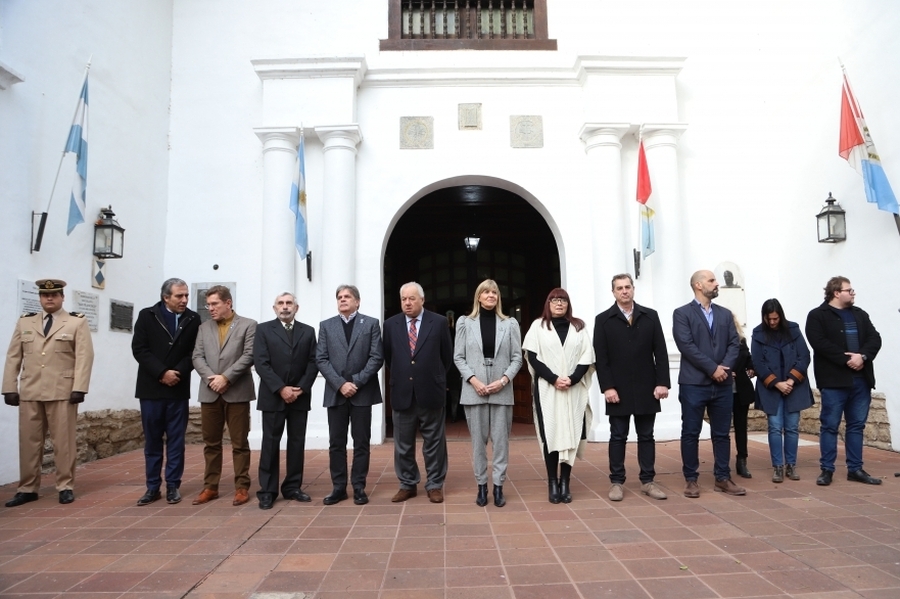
(850, 113)
(643, 183)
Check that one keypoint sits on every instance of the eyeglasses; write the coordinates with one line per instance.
(850, 291)
(558, 300)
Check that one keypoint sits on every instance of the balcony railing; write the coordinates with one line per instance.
(467, 25)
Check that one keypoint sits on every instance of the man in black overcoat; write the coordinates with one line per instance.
(633, 370)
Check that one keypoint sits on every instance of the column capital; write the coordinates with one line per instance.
(603, 134)
(278, 138)
(662, 134)
(339, 136)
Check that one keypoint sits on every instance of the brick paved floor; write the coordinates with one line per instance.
(786, 540)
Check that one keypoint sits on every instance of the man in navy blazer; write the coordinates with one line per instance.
(284, 355)
(349, 356)
(419, 351)
(709, 346)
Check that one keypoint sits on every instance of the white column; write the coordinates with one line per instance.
(666, 267)
(278, 252)
(336, 265)
(609, 227)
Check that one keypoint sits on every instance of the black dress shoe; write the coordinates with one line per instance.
(481, 497)
(20, 498)
(337, 495)
(173, 495)
(66, 496)
(148, 498)
(359, 496)
(825, 478)
(499, 500)
(861, 476)
(266, 500)
(298, 495)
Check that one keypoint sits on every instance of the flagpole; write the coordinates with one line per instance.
(87, 68)
(36, 246)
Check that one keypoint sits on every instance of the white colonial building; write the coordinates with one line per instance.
(420, 131)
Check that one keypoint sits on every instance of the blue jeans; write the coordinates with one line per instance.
(789, 423)
(853, 404)
(717, 401)
(164, 418)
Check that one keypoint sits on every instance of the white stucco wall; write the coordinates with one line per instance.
(759, 91)
(49, 43)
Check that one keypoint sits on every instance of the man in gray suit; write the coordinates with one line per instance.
(709, 346)
(222, 357)
(349, 356)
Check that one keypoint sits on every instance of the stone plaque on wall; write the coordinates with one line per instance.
(29, 301)
(526, 132)
(89, 305)
(416, 133)
(469, 117)
(121, 316)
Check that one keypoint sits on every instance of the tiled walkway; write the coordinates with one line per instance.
(792, 539)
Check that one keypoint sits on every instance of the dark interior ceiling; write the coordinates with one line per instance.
(500, 218)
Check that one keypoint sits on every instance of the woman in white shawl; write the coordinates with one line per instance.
(561, 361)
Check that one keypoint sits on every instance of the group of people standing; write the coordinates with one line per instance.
(627, 353)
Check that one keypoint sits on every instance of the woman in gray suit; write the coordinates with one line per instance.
(488, 355)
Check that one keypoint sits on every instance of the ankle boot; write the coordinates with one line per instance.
(790, 471)
(499, 501)
(481, 498)
(778, 475)
(565, 495)
(553, 487)
(740, 466)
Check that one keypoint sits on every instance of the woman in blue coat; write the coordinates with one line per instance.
(781, 360)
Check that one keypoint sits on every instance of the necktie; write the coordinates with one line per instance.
(48, 324)
(413, 336)
(289, 327)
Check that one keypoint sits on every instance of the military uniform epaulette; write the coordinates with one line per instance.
(27, 314)
(77, 314)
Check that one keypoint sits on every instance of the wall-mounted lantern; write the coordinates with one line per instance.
(832, 222)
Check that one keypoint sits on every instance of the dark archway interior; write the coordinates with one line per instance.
(516, 249)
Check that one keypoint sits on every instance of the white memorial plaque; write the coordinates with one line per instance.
(29, 301)
(89, 305)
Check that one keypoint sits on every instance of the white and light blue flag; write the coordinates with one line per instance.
(298, 203)
(78, 143)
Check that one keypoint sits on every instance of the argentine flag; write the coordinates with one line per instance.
(78, 143)
(298, 203)
(858, 149)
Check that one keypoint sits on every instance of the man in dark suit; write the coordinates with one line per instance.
(418, 348)
(349, 356)
(709, 346)
(163, 341)
(284, 355)
(633, 370)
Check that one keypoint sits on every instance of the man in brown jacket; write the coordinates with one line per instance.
(47, 374)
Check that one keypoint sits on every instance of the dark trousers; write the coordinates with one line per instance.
(716, 400)
(270, 450)
(434, 446)
(359, 420)
(164, 418)
(646, 446)
(739, 419)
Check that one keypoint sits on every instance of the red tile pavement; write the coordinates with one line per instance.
(783, 540)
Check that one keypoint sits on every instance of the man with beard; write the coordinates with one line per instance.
(709, 346)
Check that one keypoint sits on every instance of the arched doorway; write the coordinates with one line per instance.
(516, 248)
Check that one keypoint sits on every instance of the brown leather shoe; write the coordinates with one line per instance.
(404, 494)
(205, 496)
(436, 496)
(240, 497)
(728, 487)
(692, 490)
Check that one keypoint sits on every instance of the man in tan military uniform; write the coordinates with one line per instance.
(47, 373)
